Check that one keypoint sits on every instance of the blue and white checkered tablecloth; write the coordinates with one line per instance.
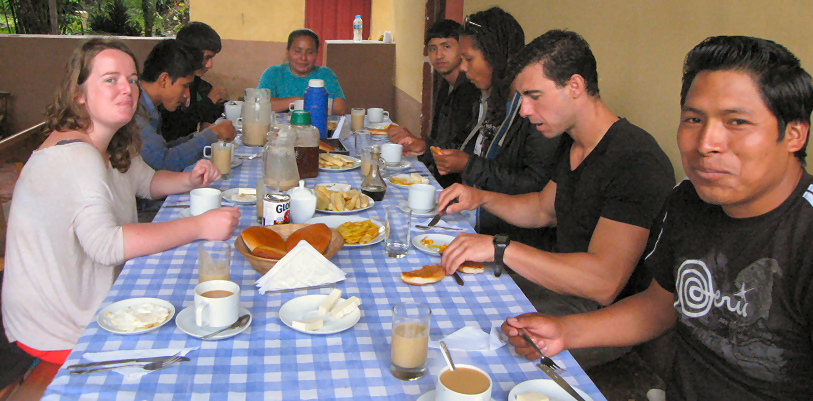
(270, 361)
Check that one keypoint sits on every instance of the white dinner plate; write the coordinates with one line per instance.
(545, 387)
(334, 186)
(400, 166)
(336, 221)
(308, 306)
(356, 164)
(430, 396)
(439, 239)
(402, 186)
(231, 196)
(234, 163)
(186, 322)
(104, 321)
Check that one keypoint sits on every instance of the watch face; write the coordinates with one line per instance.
(501, 239)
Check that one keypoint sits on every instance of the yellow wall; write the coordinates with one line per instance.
(640, 45)
(408, 36)
(261, 20)
(382, 18)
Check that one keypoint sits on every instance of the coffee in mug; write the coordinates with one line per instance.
(217, 294)
(465, 383)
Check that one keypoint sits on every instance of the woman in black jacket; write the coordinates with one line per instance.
(503, 152)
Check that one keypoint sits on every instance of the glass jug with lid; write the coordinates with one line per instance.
(257, 116)
(279, 161)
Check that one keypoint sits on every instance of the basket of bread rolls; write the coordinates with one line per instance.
(263, 247)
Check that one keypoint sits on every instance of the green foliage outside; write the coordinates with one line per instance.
(109, 17)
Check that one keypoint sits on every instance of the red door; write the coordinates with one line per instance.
(333, 19)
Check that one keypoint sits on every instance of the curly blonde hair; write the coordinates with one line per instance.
(66, 114)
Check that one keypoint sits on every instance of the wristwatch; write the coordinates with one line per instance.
(501, 242)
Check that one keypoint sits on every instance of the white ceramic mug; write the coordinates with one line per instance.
(443, 393)
(233, 110)
(376, 115)
(214, 310)
(421, 197)
(387, 37)
(202, 200)
(296, 105)
(391, 152)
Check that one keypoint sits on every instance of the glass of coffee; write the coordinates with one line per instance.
(410, 340)
(357, 119)
(214, 261)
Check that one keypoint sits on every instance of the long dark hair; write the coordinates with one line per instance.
(66, 114)
(498, 36)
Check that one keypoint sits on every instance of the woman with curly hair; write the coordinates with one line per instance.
(73, 220)
(504, 152)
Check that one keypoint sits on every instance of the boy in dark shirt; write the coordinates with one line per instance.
(733, 265)
(205, 101)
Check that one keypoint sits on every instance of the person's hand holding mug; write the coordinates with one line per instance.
(412, 144)
(218, 224)
(224, 130)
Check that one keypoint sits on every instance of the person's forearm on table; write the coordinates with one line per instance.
(524, 210)
(169, 183)
(339, 107)
(282, 104)
(142, 239)
(599, 274)
(628, 322)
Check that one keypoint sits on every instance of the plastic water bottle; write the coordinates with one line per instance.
(316, 104)
(357, 25)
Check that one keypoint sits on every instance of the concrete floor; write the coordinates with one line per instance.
(627, 378)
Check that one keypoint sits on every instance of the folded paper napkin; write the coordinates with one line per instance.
(134, 372)
(302, 267)
(472, 338)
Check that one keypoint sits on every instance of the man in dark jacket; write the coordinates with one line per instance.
(454, 106)
(205, 101)
(610, 181)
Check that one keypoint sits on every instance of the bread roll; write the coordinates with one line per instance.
(426, 275)
(472, 267)
(435, 150)
(263, 242)
(324, 146)
(318, 235)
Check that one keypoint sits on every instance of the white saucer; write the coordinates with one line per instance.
(545, 387)
(438, 240)
(424, 213)
(404, 164)
(234, 163)
(187, 212)
(430, 396)
(186, 322)
(105, 323)
(308, 306)
(229, 195)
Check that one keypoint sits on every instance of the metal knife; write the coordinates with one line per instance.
(560, 381)
(458, 279)
(123, 361)
(437, 217)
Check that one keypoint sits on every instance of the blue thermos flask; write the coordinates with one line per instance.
(316, 104)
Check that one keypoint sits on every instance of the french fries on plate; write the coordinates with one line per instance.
(335, 162)
(340, 201)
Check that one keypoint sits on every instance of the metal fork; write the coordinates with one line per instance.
(545, 360)
(150, 366)
(254, 156)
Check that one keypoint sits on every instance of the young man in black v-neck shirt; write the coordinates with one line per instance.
(610, 182)
(454, 107)
(733, 264)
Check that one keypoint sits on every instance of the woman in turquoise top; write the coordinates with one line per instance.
(288, 81)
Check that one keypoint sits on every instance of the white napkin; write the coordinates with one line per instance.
(472, 338)
(135, 372)
(302, 267)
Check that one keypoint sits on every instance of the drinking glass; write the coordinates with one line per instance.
(357, 119)
(214, 261)
(410, 340)
(398, 221)
(362, 139)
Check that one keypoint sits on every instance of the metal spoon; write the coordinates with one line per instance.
(446, 355)
(241, 321)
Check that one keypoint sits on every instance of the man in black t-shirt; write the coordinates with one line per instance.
(733, 265)
(610, 182)
(454, 106)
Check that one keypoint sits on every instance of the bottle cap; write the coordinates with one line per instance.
(300, 117)
(316, 83)
(358, 16)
